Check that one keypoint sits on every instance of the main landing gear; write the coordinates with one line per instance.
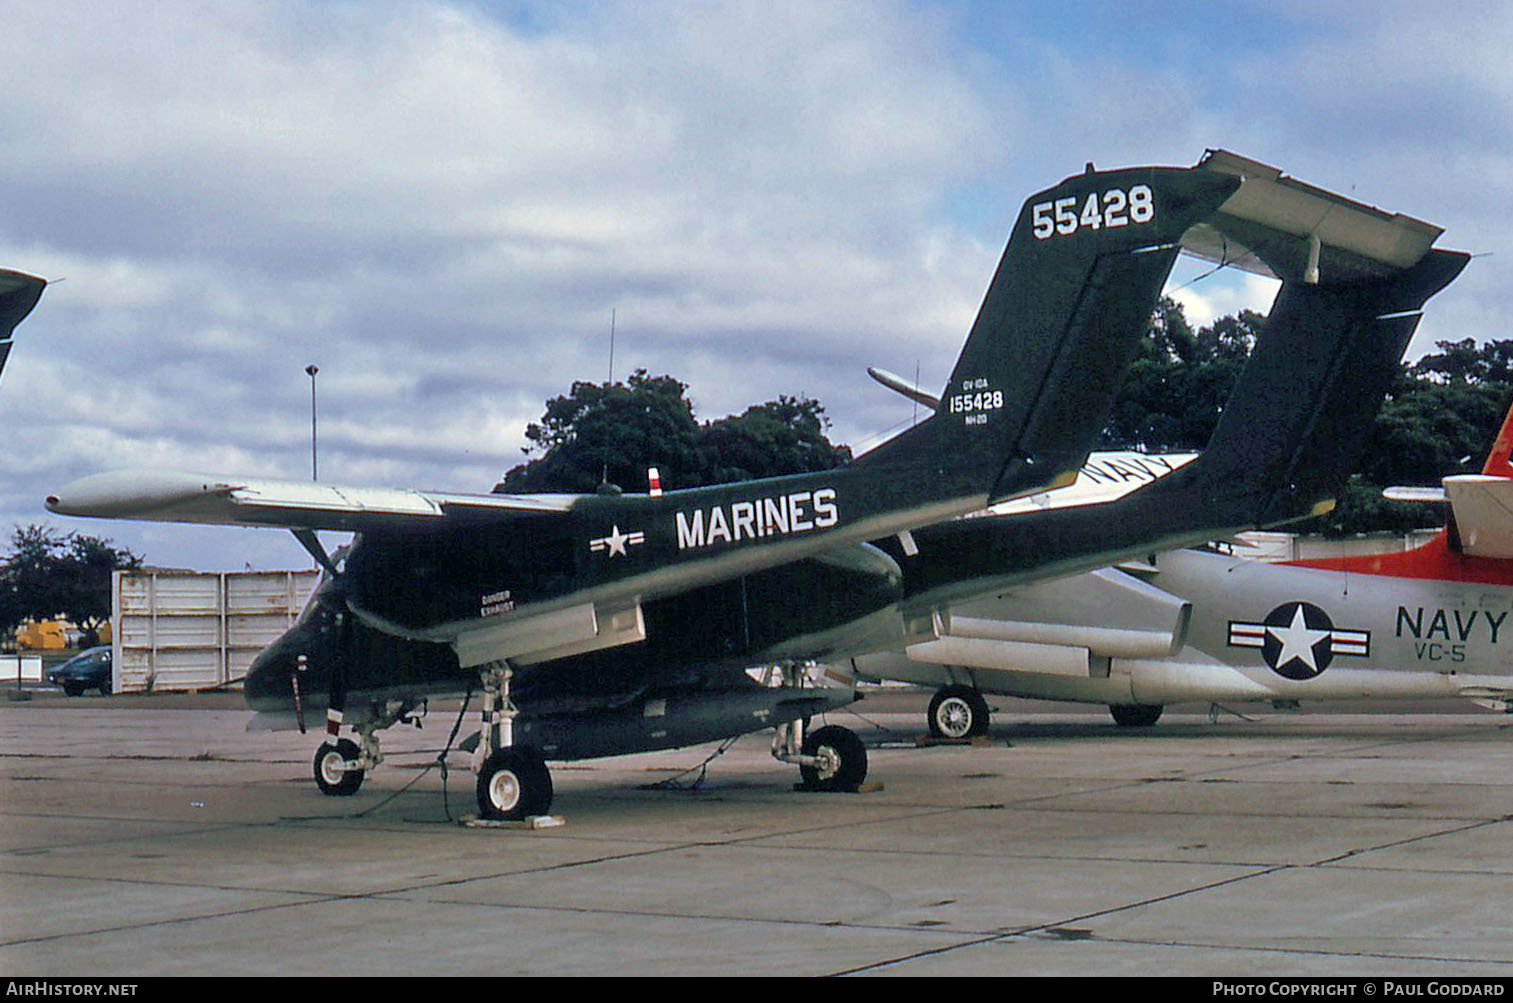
(831, 758)
(514, 783)
(1135, 715)
(513, 780)
(958, 712)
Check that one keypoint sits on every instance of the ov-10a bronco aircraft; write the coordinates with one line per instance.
(624, 623)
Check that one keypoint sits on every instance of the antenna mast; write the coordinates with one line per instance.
(612, 345)
(605, 487)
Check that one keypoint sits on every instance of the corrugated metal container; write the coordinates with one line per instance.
(185, 630)
(20, 668)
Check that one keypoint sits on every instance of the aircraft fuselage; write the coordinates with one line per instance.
(1311, 632)
(1264, 632)
(698, 639)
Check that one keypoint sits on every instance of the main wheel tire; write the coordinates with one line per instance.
(958, 712)
(1135, 715)
(844, 765)
(514, 784)
(331, 776)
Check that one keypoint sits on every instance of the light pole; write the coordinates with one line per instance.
(312, 370)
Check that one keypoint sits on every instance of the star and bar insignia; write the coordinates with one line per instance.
(1298, 640)
(616, 542)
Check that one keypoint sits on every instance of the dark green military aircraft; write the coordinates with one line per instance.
(619, 623)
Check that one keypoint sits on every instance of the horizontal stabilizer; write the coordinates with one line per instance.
(1277, 226)
(1483, 510)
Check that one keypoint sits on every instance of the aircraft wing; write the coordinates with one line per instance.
(167, 496)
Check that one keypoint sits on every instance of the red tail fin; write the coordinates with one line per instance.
(1498, 463)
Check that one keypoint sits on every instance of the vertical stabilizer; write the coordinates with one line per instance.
(1498, 463)
(1299, 419)
(1061, 320)
(19, 293)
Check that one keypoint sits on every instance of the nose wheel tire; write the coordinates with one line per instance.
(958, 712)
(843, 760)
(514, 784)
(331, 775)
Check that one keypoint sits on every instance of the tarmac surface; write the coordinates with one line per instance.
(143, 837)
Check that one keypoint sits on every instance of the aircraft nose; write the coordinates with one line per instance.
(270, 681)
(267, 684)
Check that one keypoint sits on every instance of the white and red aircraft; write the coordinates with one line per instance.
(1193, 625)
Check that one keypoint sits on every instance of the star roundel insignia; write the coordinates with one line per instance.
(1299, 640)
(616, 542)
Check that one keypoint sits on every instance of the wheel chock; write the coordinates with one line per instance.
(530, 822)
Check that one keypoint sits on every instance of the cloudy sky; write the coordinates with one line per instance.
(442, 204)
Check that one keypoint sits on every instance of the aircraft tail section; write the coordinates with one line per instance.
(19, 293)
(1061, 320)
(1499, 463)
(1291, 433)
(1299, 419)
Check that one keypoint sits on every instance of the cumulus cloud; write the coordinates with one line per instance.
(441, 205)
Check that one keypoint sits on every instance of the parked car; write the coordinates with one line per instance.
(88, 670)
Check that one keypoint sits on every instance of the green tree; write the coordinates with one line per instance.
(1432, 424)
(47, 575)
(615, 431)
(1178, 384)
(785, 436)
(1465, 362)
(610, 431)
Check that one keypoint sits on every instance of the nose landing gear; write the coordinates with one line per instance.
(335, 774)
